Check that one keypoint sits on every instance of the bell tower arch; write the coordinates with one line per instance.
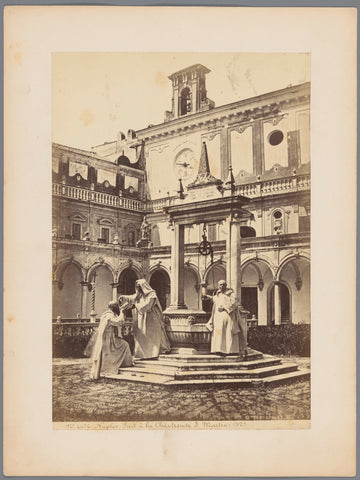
(189, 93)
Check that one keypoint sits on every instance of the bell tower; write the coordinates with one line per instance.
(189, 92)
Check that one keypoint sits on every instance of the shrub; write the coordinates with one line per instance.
(69, 346)
(289, 339)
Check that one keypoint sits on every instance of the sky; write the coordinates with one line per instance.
(97, 95)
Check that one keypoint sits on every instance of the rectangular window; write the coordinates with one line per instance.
(76, 231)
(105, 233)
(212, 233)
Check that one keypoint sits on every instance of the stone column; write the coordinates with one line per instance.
(277, 304)
(233, 274)
(114, 291)
(233, 255)
(84, 298)
(92, 303)
(177, 268)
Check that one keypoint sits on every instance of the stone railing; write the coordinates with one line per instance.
(74, 329)
(96, 197)
(159, 204)
(251, 190)
(276, 185)
(78, 327)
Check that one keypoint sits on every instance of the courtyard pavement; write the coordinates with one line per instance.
(78, 398)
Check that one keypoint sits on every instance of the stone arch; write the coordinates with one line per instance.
(294, 270)
(159, 280)
(257, 275)
(59, 268)
(67, 291)
(156, 266)
(285, 303)
(127, 279)
(192, 281)
(185, 101)
(262, 260)
(215, 272)
(95, 266)
(100, 279)
(130, 264)
(211, 278)
(290, 258)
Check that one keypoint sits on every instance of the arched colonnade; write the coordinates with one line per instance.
(271, 295)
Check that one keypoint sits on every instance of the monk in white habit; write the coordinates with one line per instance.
(224, 322)
(110, 351)
(148, 324)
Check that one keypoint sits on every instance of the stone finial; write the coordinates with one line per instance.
(204, 176)
(204, 161)
(230, 181)
(181, 189)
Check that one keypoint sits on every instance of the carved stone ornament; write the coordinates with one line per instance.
(210, 136)
(298, 284)
(276, 120)
(159, 149)
(241, 128)
(101, 260)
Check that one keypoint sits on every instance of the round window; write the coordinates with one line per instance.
(275, 137)
(277, 215)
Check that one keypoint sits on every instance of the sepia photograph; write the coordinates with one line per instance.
(181, 237)
(179, 241)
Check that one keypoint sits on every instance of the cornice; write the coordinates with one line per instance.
(266, 106)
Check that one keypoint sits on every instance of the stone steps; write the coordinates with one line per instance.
(234, 373)
(249, 382)
(251, 356)
(222, 372)
(241, 382)
(184, 366)
(186, 370)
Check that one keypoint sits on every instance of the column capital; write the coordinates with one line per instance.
(233, 218)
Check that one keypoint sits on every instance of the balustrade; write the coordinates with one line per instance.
(277, 185)
(267, 187)
(81, 328)
(96, 197)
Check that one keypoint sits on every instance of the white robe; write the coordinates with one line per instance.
(148, 325)
(225, 325)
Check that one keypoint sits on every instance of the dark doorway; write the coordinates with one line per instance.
(160, 282)
(249, 300)
(127, 281)
(185, 101)
(284, 302)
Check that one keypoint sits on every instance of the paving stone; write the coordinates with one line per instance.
(77, 398)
